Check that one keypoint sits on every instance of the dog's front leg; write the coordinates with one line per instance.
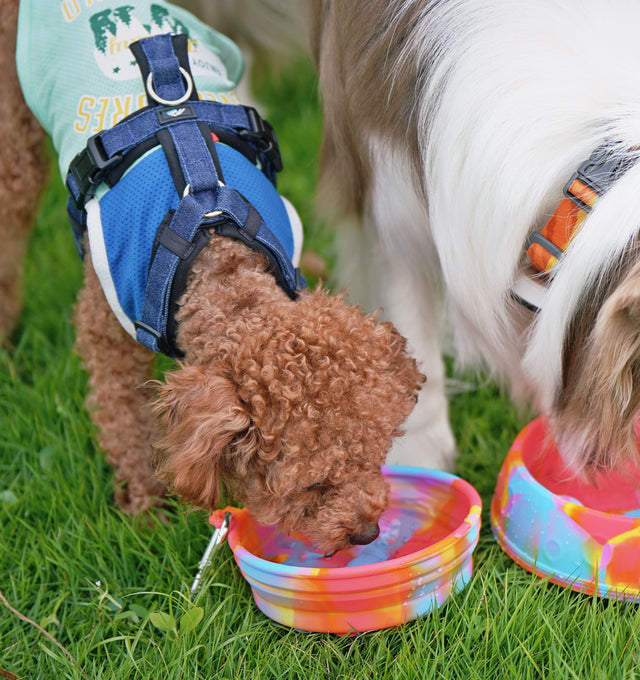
(428, 440)
(411, 303)
(118, 400)
(386, 259)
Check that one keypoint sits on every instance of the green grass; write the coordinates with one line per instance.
(100, 582)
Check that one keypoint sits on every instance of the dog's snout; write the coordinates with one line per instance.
(366, 536)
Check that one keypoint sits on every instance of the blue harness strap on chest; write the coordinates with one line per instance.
(172, 181)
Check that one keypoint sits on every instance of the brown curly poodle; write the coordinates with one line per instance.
(291, 405)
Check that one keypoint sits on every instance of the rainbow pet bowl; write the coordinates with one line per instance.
(579, 535)
(423, 555)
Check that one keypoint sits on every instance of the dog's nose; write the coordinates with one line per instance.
(366, 536)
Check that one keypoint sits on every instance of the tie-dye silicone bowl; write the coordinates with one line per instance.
(427, 537)
(580, 535)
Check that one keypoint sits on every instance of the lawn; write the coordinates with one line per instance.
(113, 594)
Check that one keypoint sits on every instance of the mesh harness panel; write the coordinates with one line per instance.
(150, 190)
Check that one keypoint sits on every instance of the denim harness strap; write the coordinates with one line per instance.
(182, 125)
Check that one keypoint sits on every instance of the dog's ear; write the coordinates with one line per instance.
(201, 417)
(601, 395)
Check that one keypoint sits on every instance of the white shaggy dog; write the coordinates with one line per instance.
(451, 128)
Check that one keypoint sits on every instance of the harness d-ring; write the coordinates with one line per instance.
(208, 215)
(168, 102)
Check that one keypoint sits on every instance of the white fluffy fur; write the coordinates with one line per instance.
(518, 94)
(527, 98)
(393, 265)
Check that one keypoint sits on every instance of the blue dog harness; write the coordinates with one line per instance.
(151, 189)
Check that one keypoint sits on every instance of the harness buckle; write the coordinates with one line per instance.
(88, 169)
(262, 137)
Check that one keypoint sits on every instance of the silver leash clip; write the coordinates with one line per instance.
(203, 567)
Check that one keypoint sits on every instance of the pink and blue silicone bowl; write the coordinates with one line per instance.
(422, 556)
(582, 535)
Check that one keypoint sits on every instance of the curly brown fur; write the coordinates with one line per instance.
(292, 404)
(23, 168)
(118, 400)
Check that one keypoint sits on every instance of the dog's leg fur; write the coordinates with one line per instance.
(118, 401)
(23, 169)
(374, 278)
(275, 31)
